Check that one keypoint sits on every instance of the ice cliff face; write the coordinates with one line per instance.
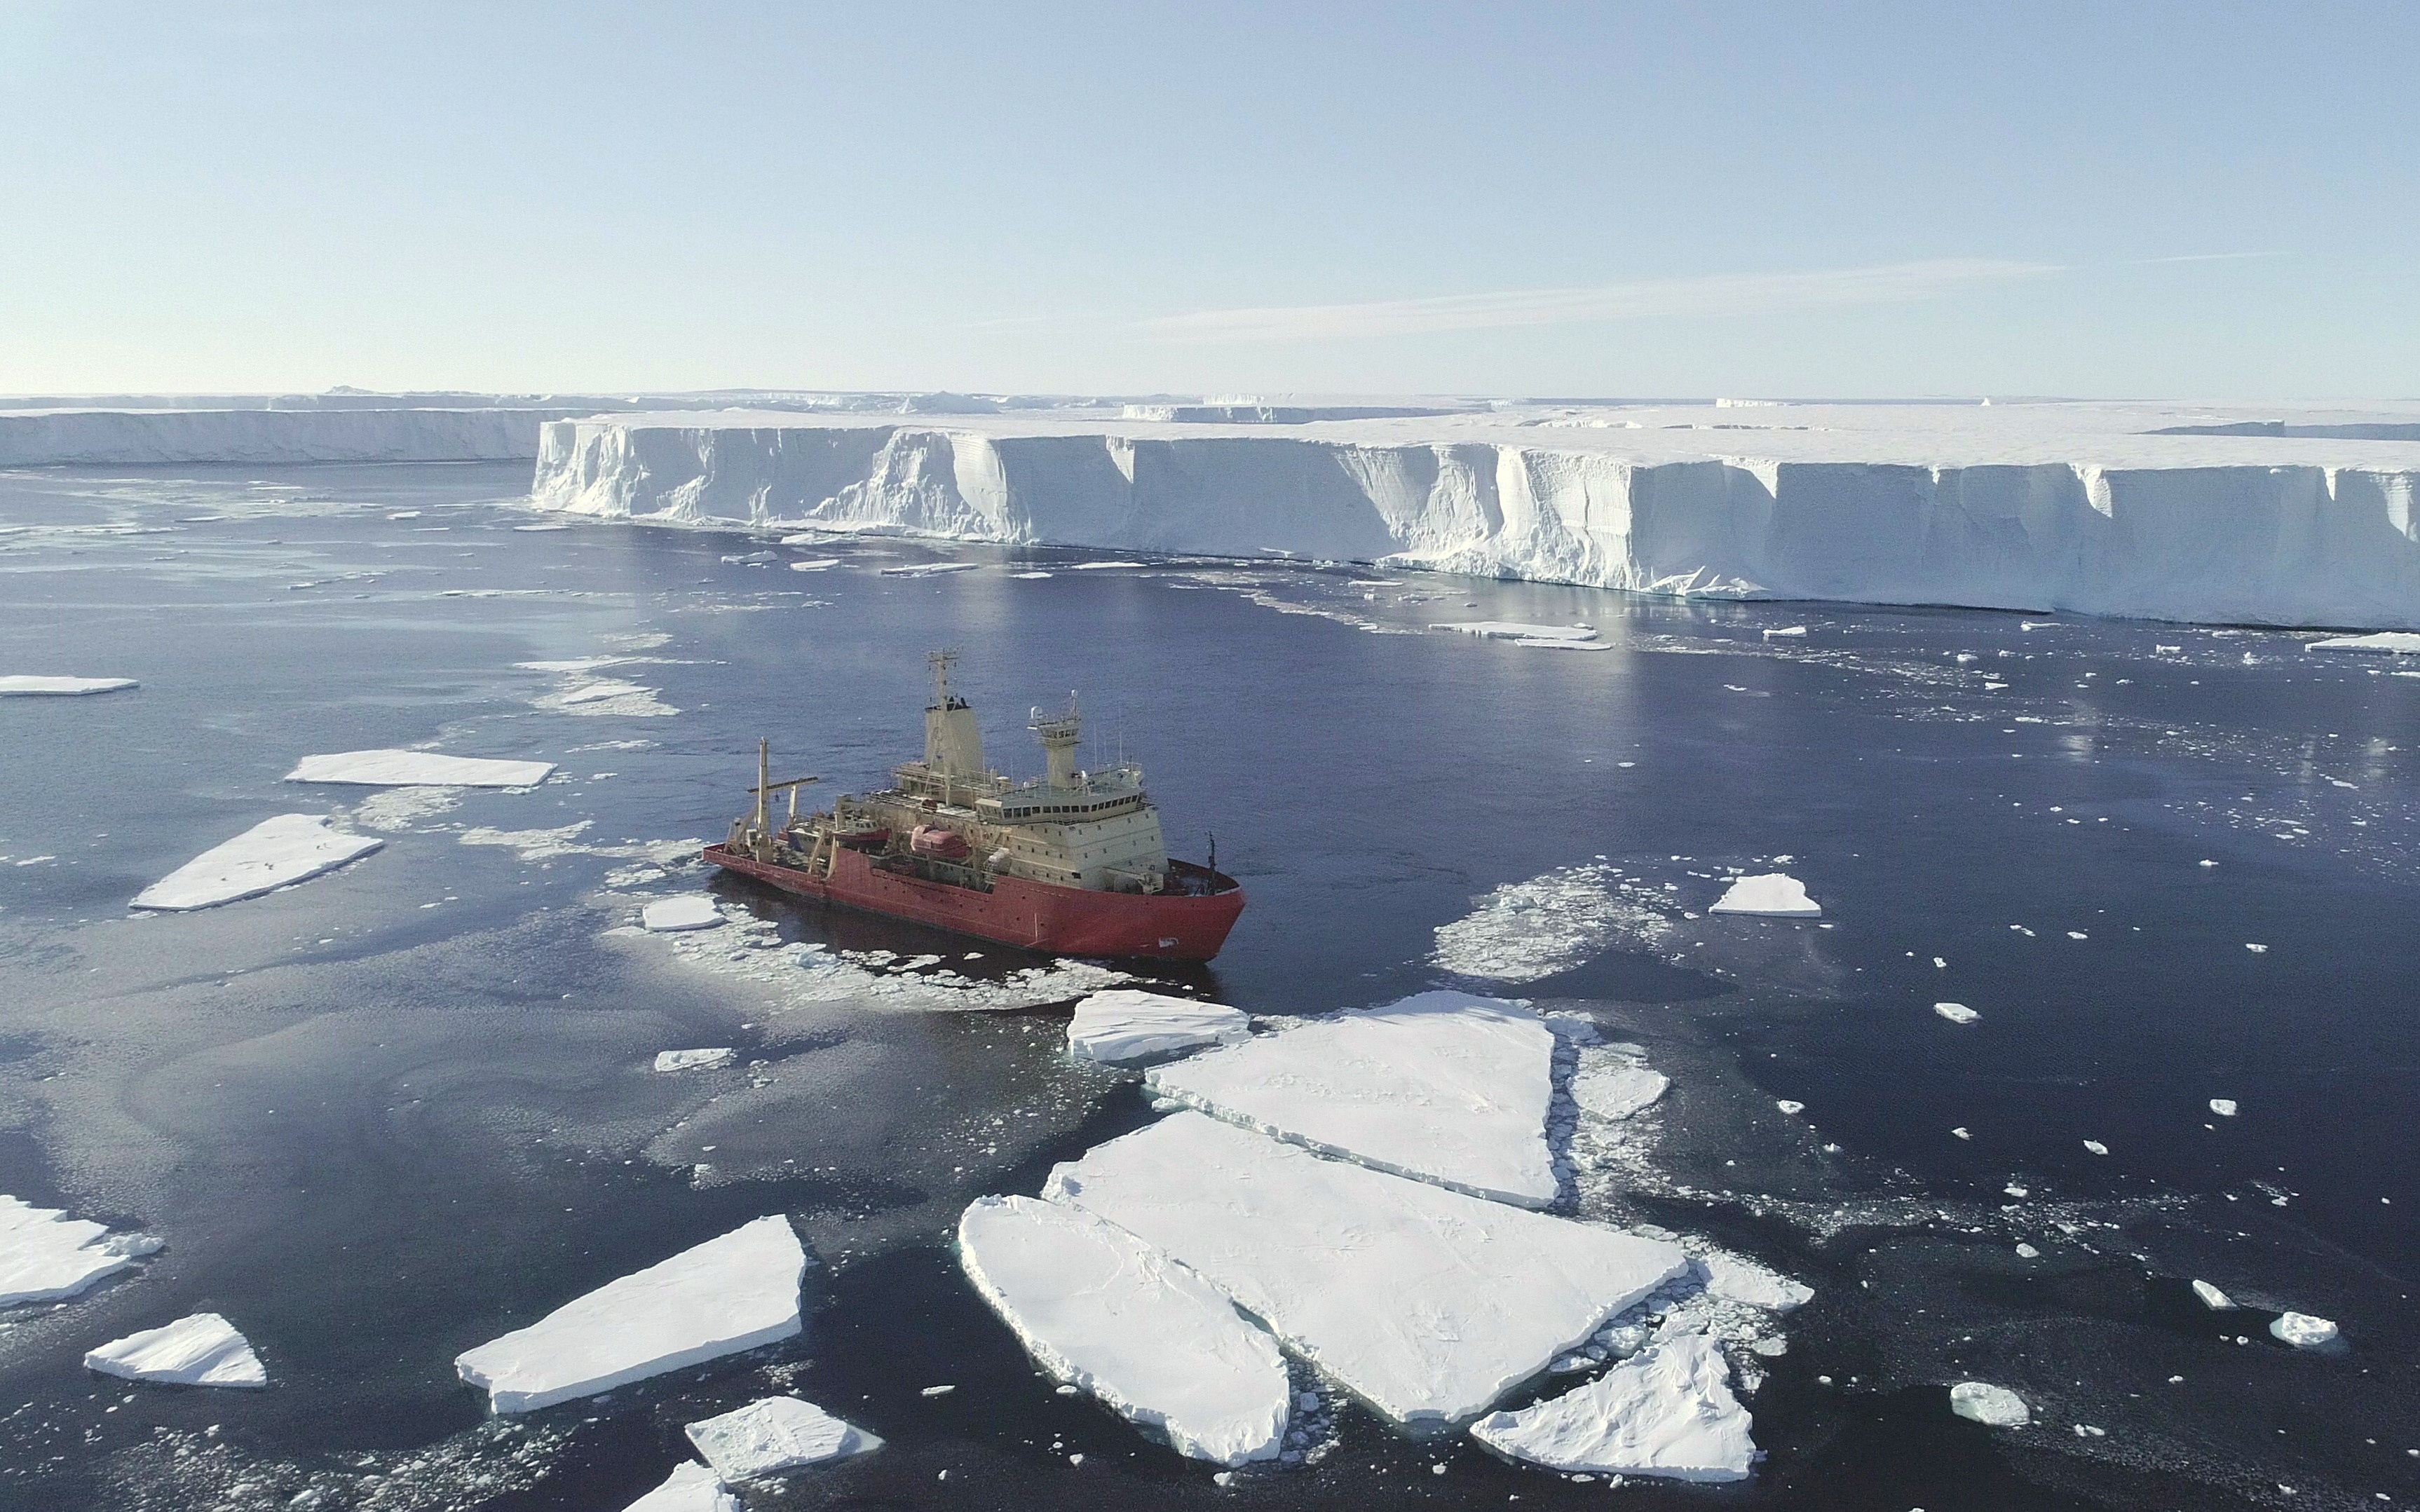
(2284, 545)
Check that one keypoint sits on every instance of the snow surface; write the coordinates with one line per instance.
(1773, 895)
(728, 1294)
(24, 685)
(2303, 1330)
(1617, 1091)
(1667, 1411)
(1122, 1024)
(1101, 1310)
(203, 1350)
(45, 1256)
(691, 910)
(271, 854)
(2394, 643)
(418, 768)
(691, 1487)
(1425, 1303)
(694, 1059)
(773, 1436)
(1444, 1086)
(1979, 1401)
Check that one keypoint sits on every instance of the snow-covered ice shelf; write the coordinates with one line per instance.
(25, 685)
(728, 1294)
(1122, 1024)
(203, 1350)
(773, 1436)
(45, 1256)
(1103, 1311)
(1446, 1087)
(418, 768)
(1773, 895)
(271, 854)
(1667, 1411)
(1425, 1303)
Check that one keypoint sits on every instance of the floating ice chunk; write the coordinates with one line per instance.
(930, 569)
(1774, 895)
(1796, 629)
(201, 1351)
(19, 686)
(2212, 1298)
(750, 558)
(531, 530)
(1512, 630)
(694, 1060)
(1736, 1278)
(728, 1294)
(2096, 1147)
(2026, 1251)
(1100, 1309)
(2398, 642)
(1446, 1087)
(2258, 949)
(774, 1436)
(691, 1487)
(271, 854)
(2303, 1330)
(1955, 1012)
(690, 911)
(1962, 1132)
(1995, 1407)
(1427, 1303)
(1104, 566)
(1790, 1107)
(1617, 1092)
(1123, 1025)
(1030, 576)
(2222, 1106)
(45, 1256)
(1667, 1411)
(818, 565)
(418, 768)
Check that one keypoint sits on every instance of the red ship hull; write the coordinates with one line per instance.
(1031, 915)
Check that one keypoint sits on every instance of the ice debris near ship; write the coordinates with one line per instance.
(1120, 1026)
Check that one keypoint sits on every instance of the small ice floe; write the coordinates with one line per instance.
(417, 768)
(1425, 1303)
(1444, 1086)
(2395, 643)
(45, 1256)
(1031, 576)
(1667, 1411)
(2303, 1330)
(750, 559)
(690, 911)
(929, 569)
(1736, 1278)
(20, 686)
(774, 1436)
(1995, 1407)
(691, 1487)
(816, 565)
(2096, 1147)
(2258, 949)
(1566, 637)
(1790, 1107)
(1955, 1012)
(1099, 1310)
(694, 1060)
(2212, 1298)
(272, 853)
(1617, 1092)
(1123, 1025)
(1104, 566)
(203, 1350)
(1962, 1132)
(937, 1391)
(1773, 895)
(1796, 629)
(735, 1293)
(2222, 1106)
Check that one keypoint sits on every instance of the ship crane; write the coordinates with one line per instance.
(760, 837)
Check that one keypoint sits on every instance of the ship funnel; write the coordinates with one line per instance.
(1061, 733)
(953, 745)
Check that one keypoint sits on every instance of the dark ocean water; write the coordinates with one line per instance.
(395, 1111)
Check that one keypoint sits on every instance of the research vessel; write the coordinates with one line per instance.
(1072, 863)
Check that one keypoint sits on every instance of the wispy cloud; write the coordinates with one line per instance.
(1712, 294)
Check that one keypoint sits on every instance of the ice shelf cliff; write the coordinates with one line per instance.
(2103, 509)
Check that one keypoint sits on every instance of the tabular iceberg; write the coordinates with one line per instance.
(1667, 1411)
(203, 1350)
(26, 685)
(272, 853)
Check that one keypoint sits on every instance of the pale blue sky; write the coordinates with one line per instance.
(2192, 200)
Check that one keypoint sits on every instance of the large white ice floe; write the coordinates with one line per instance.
(1997, 1407)
(2394, 643)
(45, 1256)
(1104, 1312)
(691, 910)
(417, 768)
(23, 686)
(1427, 1303)
(691, 1487)
(1667, 1411)
(1123, 1025)
(1773, 895)
(774, 1436)
(272, 853)
(1444, 1086)
(728, 1294)
(203, 1350)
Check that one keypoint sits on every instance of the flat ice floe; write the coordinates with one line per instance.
(45, 1256)
(1773, 895)
(774, 1436)
(1667, 1411)
(693, 911)
(691, 1487)
(21, 686)
(203, 1350)
(1427, 1303)
(1444, 1087)
(1955, 1012)
(1979, 1401)
(1104, 1312)
(1123, 1025)
(2397, 642)
(1617, 1091)
(272, 853)
(728, 1294)
(417, 768)
(694, 1060)
(2212, 1298)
